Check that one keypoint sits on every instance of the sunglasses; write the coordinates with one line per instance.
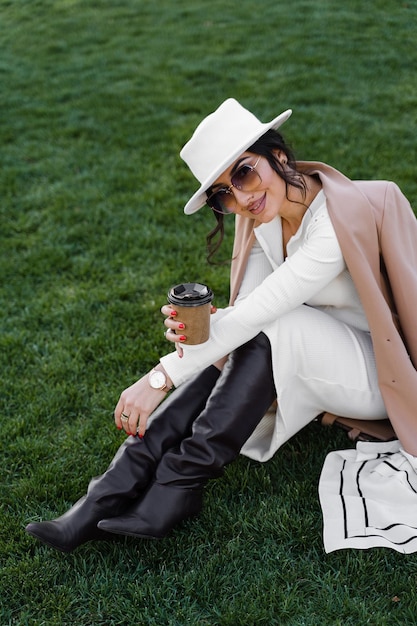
(246, 178)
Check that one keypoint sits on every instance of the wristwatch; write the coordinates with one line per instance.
(158, 380)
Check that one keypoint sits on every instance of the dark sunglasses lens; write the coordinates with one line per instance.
(221, 201)
(244, 177)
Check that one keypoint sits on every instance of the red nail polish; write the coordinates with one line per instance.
(140, 436)
(183, 338)
(181, 326)
(173, 314)
(119, 427)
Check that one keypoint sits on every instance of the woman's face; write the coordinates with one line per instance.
(266, 200)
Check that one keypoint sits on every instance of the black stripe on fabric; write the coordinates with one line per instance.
(397, 524)
(397, 543)
(400, 470)
(342, 499)
(365, 508)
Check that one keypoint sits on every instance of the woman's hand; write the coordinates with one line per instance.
(176, 331)
(137, 402)
(175, 328)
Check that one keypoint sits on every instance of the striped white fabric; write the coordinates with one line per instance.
(368, 497)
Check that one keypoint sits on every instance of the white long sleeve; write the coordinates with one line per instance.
(316, 263)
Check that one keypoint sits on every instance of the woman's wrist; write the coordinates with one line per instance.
(159, 379)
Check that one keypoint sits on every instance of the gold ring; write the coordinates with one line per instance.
(124, 417)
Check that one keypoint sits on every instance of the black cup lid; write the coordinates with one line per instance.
(190, 294)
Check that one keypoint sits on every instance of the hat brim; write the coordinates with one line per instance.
(198, 200)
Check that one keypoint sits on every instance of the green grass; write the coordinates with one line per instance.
(97, 98)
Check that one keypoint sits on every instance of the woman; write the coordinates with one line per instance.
(320, 265)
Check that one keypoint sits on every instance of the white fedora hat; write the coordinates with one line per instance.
(218, 140)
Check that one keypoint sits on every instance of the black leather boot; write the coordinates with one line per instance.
(238, 402)
(131, 470)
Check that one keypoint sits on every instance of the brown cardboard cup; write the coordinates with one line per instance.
(192, 301)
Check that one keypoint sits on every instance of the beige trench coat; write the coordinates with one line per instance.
(377, 232)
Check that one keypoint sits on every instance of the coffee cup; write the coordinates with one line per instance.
(192, 301)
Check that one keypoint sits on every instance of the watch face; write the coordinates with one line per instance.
(157, 380)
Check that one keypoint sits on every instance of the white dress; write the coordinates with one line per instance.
(308, 306)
